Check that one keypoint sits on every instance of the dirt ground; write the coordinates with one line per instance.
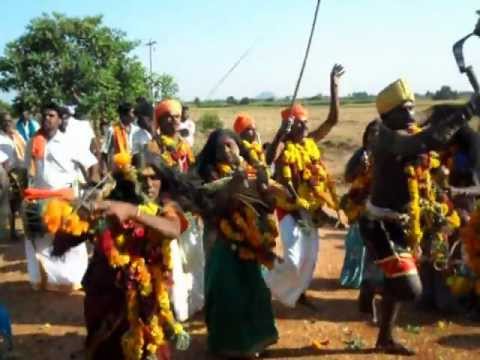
(49, 326)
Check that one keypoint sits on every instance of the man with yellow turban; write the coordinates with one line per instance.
(389, 226)
(298, 166)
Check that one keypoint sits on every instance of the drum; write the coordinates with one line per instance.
(32, 211)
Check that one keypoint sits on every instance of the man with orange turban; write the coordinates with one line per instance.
(187, 294)
(176, 152)
(397, 147)
(299, 167)
(244, 126)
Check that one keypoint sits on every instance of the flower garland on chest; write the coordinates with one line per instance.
(255, 151)
(354, 201)
(143, 261)
(301, 166)
(251, 232)
(427, 208)
(175, 152)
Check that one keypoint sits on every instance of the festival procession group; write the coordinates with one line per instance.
(155, 234)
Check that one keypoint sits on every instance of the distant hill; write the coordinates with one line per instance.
(265, 95)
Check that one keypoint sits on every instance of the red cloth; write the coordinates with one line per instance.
(400, 265)
(42, 194)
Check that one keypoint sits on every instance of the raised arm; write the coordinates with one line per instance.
(432, 138)
(333, 114)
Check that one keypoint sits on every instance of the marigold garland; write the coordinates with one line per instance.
(252, 235)
(145, 261)
(58, 215)
(354, 201)
(315, 188)
(176, 152)
(256, 154)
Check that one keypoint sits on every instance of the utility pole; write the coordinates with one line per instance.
(150, 45)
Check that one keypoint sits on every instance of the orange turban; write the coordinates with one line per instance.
(243, 122)
(297, 111)
(171, 107)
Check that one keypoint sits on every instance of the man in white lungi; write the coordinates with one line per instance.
(298, 166)
(51, 159)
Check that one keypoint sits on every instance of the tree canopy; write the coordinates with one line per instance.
(68, 59)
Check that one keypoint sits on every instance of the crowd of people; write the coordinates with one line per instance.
(173, 233)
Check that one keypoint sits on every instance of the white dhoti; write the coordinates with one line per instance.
(291, 278)
(187, 293)
(56, 274)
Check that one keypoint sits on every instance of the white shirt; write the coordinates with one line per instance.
(108, 144)
(190, 126)
(3, 157)
(7, 149)
(56, 170)
(139, 138)
(80, 136)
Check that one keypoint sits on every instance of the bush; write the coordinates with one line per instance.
(244, 101)
(209, 121)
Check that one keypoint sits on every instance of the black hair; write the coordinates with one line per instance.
(54, 107)
(144, 108)
(185, 107)
(206, 160)
(124, 107)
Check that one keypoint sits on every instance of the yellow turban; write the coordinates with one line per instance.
(171, 107)
(394, 95)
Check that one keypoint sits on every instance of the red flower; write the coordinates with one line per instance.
(138, 232)
(105, 241)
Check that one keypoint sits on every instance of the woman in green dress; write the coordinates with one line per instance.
(239, 237)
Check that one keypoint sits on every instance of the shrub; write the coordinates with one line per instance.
(209, 121)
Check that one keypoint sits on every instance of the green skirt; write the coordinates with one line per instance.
(238, 305)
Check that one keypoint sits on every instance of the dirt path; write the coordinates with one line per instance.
(49, 326)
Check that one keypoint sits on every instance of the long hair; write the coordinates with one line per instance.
(207, 158)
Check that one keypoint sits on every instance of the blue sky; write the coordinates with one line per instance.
(197, 41)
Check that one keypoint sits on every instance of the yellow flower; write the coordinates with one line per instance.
(122, 160)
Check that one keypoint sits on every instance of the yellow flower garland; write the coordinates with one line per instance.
(316, 187)
(172, 149)
(255, 151)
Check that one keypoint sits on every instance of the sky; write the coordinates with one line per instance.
(377, 41)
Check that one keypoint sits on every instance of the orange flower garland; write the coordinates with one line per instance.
(252, 236)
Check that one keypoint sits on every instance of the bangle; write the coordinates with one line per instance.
(139, 212)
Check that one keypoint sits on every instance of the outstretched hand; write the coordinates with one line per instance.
(336, 73)
(120, 210)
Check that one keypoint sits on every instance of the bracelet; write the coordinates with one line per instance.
(139, 212)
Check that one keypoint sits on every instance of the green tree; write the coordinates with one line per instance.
(65, 59)
(231, 100)
(445, 93)
(163, 86)
(5, 107)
